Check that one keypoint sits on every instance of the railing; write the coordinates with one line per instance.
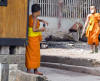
(48, 7)
(70, 8)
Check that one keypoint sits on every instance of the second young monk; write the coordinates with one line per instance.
(92, 27)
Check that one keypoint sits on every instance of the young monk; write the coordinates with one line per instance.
(93, 29)
(34, 39)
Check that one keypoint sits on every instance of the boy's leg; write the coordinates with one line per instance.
(30, 70)
(92, 48)
(96, 49)
(37, 72)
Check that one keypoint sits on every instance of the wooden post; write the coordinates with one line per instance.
(5, 72)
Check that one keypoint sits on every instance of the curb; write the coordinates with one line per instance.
(81, 69)
(71, 61)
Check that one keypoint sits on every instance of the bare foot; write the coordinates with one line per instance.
(38, 73)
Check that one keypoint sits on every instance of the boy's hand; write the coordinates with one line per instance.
(45, 22)
(42, 29)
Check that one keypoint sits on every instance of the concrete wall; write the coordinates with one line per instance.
(52, 28)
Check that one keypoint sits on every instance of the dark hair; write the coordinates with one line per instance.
(35, 8)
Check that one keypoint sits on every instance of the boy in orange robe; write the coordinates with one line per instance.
(93, 29)
(34, 39)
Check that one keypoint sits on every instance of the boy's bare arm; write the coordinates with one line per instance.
(35, 29)
(45, 22)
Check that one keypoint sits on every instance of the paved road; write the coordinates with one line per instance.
(62, 75)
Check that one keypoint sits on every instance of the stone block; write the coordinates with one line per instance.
(4, 50)
(20, 50)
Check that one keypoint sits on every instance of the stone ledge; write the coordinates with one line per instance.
(17, 75)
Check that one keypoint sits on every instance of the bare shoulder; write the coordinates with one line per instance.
(97, 14)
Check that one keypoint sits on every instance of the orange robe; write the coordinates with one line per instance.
(93, 29)
(33, 47)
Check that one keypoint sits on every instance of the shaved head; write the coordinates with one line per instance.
(92, 7)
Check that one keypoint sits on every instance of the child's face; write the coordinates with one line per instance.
(92, 9)
(36, 14)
